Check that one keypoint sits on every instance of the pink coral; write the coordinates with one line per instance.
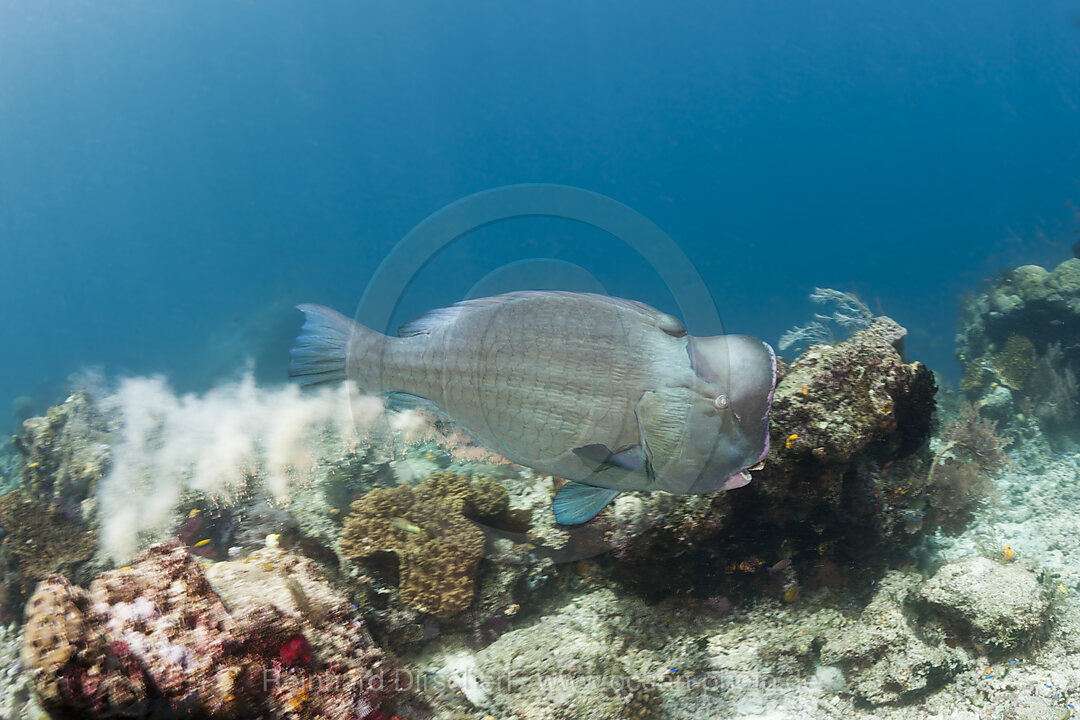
(295, 651)
(158, 631)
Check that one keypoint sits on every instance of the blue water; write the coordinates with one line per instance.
(174, 175)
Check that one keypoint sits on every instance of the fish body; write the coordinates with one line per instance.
(609, 393)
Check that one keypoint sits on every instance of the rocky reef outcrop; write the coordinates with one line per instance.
(156, 640)
(65, 452)
(1019, 348)
(996, 607)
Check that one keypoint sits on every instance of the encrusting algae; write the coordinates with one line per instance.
(429, 528)
(41, 539)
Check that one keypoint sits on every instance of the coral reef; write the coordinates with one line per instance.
(39, 539)
(429, 529)
(155, 639)
(1020, 335)
(66, 452)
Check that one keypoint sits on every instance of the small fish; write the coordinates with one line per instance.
(193, 512)
(782, 565)
(402, 524)
(610, 394)
(201, 543)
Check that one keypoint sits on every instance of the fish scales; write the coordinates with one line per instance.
(532, 367)
(606, 392)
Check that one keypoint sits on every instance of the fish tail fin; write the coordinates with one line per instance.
(320, 353)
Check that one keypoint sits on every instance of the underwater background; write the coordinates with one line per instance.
(175, 176)
(884, 518)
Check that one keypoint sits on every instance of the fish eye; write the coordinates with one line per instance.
(721, 402)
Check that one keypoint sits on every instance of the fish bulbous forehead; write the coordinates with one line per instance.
(740, 367)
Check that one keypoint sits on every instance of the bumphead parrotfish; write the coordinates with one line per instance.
(610, 394)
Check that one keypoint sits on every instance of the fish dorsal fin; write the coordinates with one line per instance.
(661, 420)
(424, 324)
(398, 401)
(668, 323)
(577, 502)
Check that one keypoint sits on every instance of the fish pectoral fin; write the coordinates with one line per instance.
(577, 502)
(631, 457)
(596, 454)
(662, 424)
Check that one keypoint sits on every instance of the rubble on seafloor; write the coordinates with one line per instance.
(990, 630)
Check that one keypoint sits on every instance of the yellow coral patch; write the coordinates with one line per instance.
(1015, 362)
(428, 528)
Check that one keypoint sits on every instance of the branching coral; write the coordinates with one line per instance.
(427, 527)
(812, 333)
(851, 314)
